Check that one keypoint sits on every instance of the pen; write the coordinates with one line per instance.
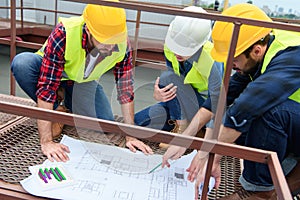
(152, 170)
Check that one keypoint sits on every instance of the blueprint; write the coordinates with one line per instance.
(112, 173)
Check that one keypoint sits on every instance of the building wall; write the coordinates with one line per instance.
(3, 12)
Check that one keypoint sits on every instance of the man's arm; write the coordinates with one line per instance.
(123, 72)
(48, 83)
(128, 112)
(131, 142)
(199, 120)
(51, 149)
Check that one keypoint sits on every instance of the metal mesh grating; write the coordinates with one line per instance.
(231, 171)
(18, 100)
(6, 118)
(19, 149)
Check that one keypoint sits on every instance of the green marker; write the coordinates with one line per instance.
(43, 173)
(54, 174)
(60, 173)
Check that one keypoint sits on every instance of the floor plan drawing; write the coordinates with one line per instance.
(89, 187)
(115, 159)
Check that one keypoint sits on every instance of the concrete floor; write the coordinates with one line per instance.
(144, 80)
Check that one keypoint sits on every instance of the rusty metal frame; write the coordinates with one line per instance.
(247, 153)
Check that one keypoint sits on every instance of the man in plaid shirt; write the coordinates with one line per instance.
(77, 53)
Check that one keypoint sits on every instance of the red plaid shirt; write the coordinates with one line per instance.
(53, 66)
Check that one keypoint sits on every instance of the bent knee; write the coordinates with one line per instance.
(24, 59)
(168, 77)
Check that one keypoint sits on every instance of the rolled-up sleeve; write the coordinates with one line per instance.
(52, 65)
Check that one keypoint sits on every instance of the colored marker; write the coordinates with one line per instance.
(42, 177)
(155, 168)
(60, 173)
(47, 173)
(54, 174)
(42, 172)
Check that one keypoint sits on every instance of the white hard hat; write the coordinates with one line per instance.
(186, 35)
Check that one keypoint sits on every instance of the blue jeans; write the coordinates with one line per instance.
(86, 98)
(277, 130)
(184, 106)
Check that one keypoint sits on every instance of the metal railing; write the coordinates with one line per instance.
(256, 155)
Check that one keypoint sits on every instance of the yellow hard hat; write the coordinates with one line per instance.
(106, 24)
(248, 35)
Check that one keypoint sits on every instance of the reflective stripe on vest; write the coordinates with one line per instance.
(75, 55)
(199, 73)
(283, 40)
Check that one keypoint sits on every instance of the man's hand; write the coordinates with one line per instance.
(197, 170)
(55, 151)
(133, 143)
(164, 94)
(173, 153)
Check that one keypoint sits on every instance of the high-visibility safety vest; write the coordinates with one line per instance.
(199, 73)
(75, 55)
(283, 40)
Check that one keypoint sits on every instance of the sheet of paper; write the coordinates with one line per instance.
(112, 173)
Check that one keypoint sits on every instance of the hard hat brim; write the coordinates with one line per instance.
(114, 39)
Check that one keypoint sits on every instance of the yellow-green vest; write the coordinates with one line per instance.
(75, 55)
(199, 73)
(283, 39)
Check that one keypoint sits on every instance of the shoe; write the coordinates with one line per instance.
(57, 127)
(243, 194)
(178, 129)
(293, 180)
(201, 133)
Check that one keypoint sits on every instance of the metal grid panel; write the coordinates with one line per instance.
(7, 118)
(230, 173)
(19, 149)
(18, 100)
